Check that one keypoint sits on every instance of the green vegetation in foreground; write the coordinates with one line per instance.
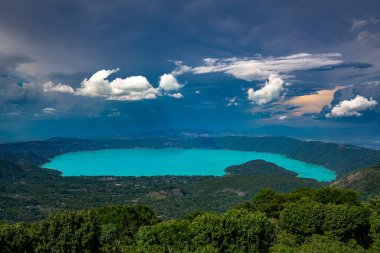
(29, 193)
(306, 220)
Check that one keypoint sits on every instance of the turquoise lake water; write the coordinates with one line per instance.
(185, 162)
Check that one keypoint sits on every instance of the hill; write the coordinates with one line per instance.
(258, 167)
(366, 181)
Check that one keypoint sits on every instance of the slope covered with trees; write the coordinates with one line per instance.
(366, 181)
(325, 220)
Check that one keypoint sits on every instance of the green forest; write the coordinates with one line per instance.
(304, 220)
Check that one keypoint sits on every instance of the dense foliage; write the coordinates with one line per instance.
(326, 220)
(233, 231)
(105, 229)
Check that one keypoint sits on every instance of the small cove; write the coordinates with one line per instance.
(170, 161)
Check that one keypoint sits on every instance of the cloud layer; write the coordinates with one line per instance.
(260, 68)
(352, 107)
(275, 69)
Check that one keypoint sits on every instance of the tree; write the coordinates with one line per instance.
(303, 218)
(119, 224)
(269, 202)
(68, 232)
(169, 236)
(329, 195)
(374, 203)
(326, 244)
(15, 238)
(234, 231)
(375, 232)
(348, 222)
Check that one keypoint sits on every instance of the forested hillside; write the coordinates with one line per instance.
(366, 181)
(325, 220)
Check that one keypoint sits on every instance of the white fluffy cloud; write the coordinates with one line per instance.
(271, 90)
(168, 82)
(132, 88)
(62, 88)
(129, 88)
(97, 85)
(250, 69)
(352, 107)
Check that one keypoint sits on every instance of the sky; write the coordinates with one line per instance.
(95, 68)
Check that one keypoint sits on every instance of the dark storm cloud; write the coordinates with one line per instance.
(145, 34)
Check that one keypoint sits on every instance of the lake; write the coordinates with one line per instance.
(184, 162)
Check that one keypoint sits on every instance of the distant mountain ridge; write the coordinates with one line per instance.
(340, 158)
